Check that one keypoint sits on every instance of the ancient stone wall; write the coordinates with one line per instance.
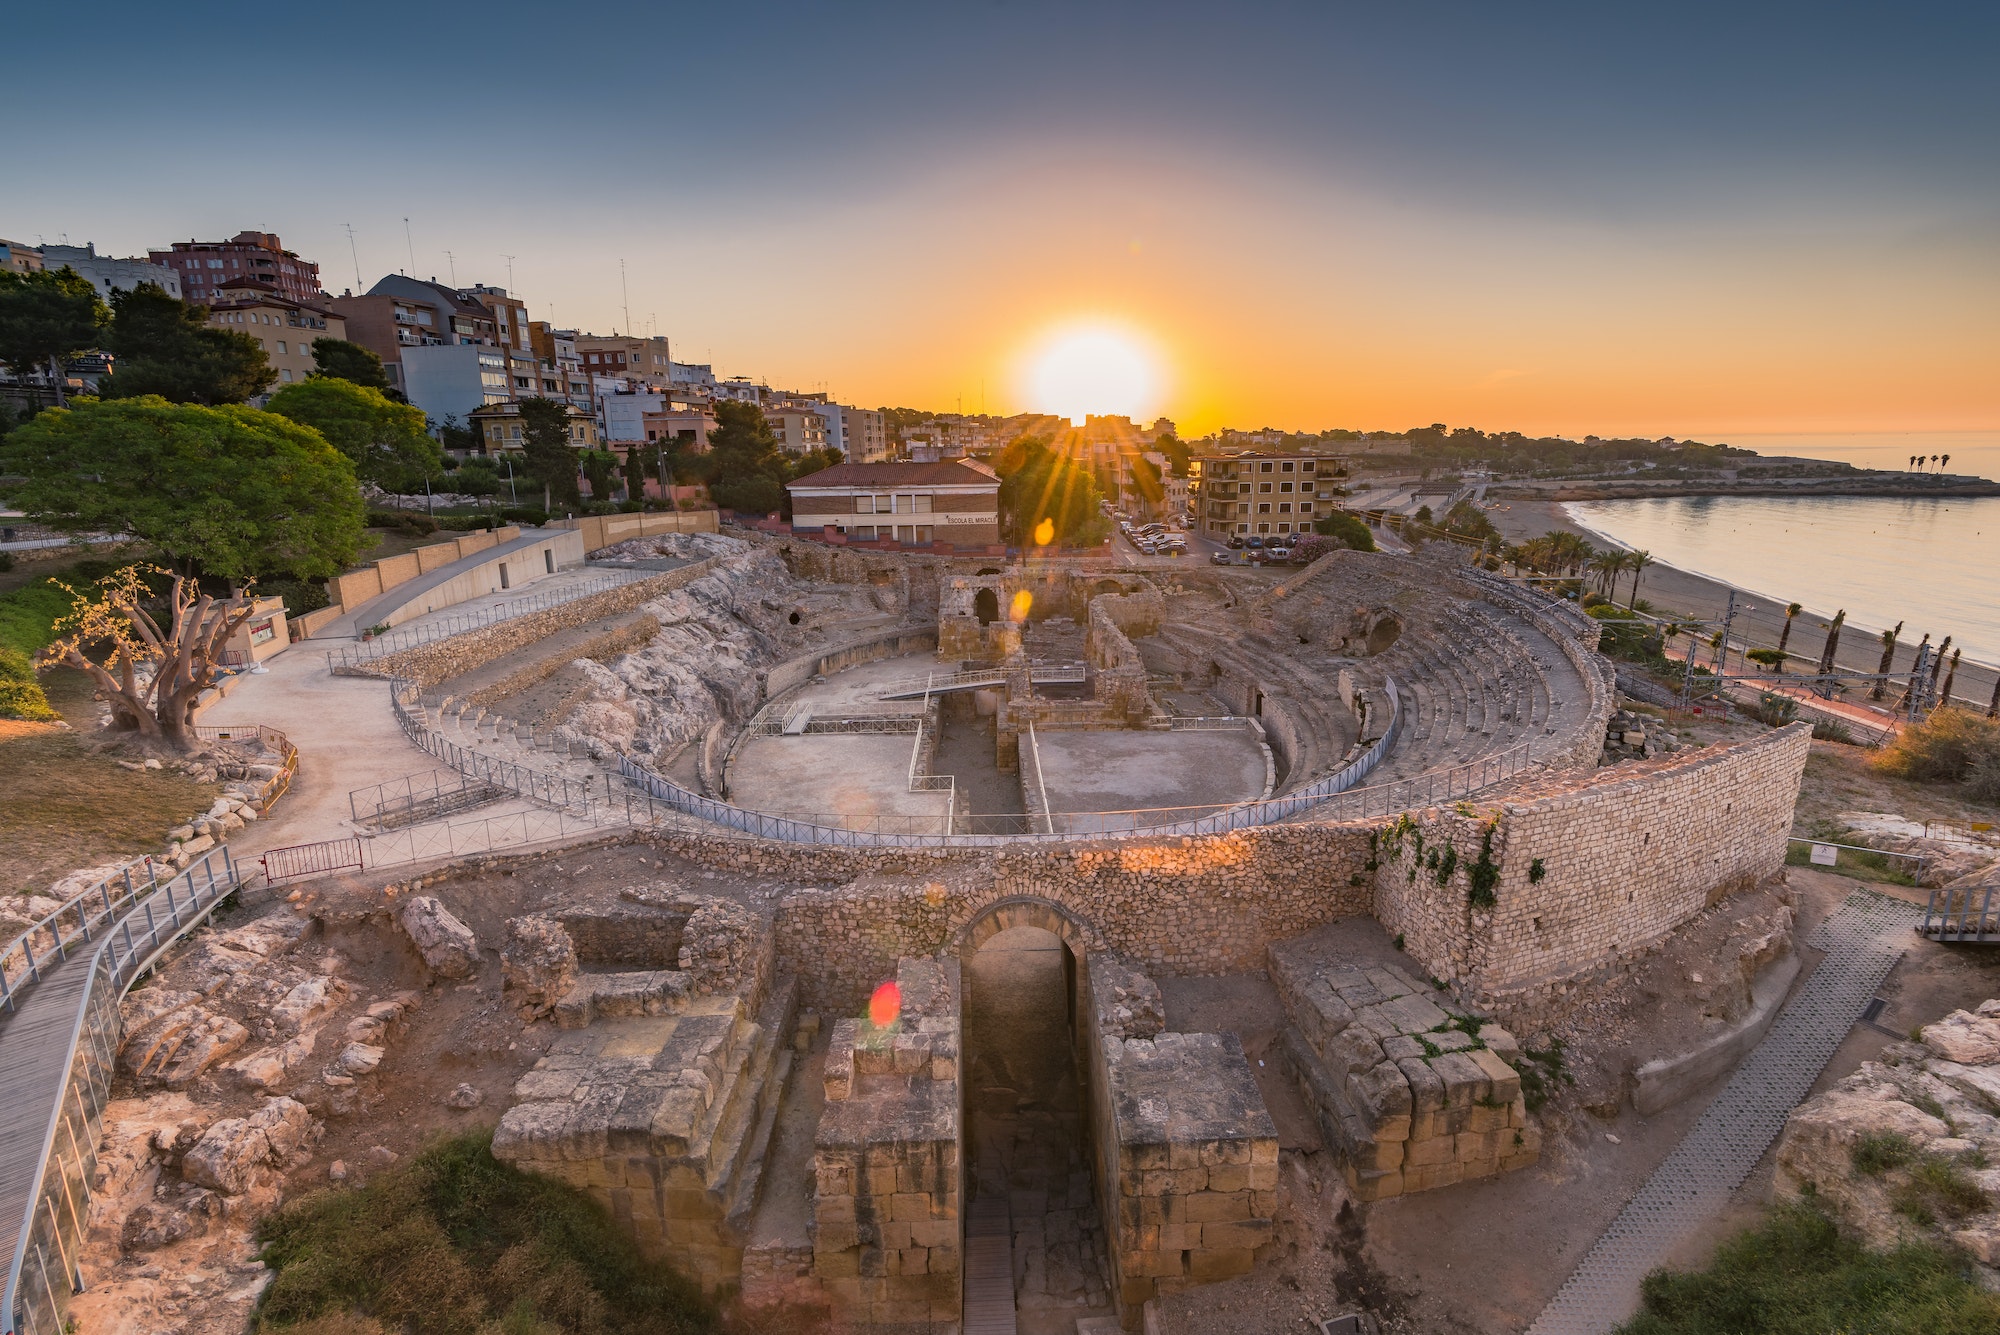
(607, 644)
(889, 1172)
(430, 664)
(1186, 1154)
(796, 672)
(1587, 870)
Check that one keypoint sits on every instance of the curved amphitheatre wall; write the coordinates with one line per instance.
(1590, 867)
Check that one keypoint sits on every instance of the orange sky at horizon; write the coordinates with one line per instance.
(1321, 307)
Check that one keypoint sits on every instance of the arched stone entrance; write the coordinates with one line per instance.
(1027, 1128)
(986, 606)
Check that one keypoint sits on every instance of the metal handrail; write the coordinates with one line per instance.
(461, 623)
(119, 958)
(533, 784)
(91, 909)
(1316, 799)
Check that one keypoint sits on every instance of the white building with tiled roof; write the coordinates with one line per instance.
(955, 502)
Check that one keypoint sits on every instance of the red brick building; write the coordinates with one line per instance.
(205, 266)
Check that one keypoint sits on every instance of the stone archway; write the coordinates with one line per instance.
(986, 606)
(1026, 911)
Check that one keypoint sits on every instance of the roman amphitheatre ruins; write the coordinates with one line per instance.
(901, 939)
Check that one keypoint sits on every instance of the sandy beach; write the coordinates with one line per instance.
(1684, 593)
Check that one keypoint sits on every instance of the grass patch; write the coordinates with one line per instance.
(1939, 1188)
(1859, 863)
(1795, 1275)
(68, 806)
(1875, 1154)
(456, 1243)
(1542, 1073)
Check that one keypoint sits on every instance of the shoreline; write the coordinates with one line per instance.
(1673, 589)
(1892, 487)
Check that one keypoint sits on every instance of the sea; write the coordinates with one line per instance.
(1932, 564)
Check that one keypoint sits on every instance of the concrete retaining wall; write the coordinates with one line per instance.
(601, 531)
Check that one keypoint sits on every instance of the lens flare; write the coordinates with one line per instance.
(885, 1005)
(1045, 533)
(1017, 611)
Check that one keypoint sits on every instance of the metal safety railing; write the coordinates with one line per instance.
(966, 830)
(1963, 913)
(296, 860)
(536, 785)
(418, 797)
(349, 656)
(43, 1270)
(79, 921)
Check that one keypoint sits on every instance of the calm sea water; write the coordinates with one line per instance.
(1934, 564)
(1975, 453)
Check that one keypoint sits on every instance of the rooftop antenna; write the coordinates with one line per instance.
(411, 247)
(356, 254)
(510, 271)
(626, 292)
(452, 262)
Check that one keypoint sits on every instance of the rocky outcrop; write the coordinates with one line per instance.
(233, 1154)
(1898, 1150)
(538, 963)
(447, 945)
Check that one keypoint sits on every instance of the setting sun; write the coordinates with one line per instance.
(1096, 369)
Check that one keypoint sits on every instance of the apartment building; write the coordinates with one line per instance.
(286, 328)
(800, 428)
(204, 266)
(952, 502)
(647, 361)
(510, 315)
(501, 431)
(687, 425)
(442, 346)
(562, 367)
(17, 257)
(858, 433)
(108, 275)
(1263, 494)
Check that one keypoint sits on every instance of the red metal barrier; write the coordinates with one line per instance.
(283, 864)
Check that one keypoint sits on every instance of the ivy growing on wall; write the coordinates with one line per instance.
(1484, 876)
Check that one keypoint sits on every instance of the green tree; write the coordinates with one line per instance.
(1176, 451)
(1037, 484)
(341, 360)
(227, 491)
(550, 459)
(386, 442)
(600, 467)
(1349, 530)
(46, 318)
(166, 347)
(743, 468)
(635, 470)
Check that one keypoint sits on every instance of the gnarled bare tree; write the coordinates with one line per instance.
(112, 634)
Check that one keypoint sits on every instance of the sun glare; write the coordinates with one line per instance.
(1091, 370)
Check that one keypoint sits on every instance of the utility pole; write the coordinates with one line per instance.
(626, 293)
(451, 260)
(357, 257)
(411, 247)
(510, 273)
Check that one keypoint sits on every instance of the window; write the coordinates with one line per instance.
(286, 372)
(1306, 467)
(1243, 509)
(1263, 528)
(1243, 488)
(1264, 487)
(281, 348)
(1264, 509)
(1284, 528)
(1285, 509)
(1284, 486)
(865, 532)
(1286, 469)
(923, 533)
(1264, 468)
(1305, 507)
(923, 504)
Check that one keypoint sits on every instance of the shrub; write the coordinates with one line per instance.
(455, 1241)
(1794, 1274)
(403, 521)
(1875, 1154)
(1349, 530)
(1775, 710)
(1947, 747)
(20, 694)
(301, 595)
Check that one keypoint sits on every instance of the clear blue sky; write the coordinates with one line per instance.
(1575, 217)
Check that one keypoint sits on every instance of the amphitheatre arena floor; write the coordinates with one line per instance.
(1135, 771)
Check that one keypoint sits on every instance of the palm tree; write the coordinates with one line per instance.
(1934, 460)
(1832, 642)
(1944, 461)
(1637, 561)
(1913, 461)
(1993, 710)
(1785, 635)
(1951, 677)
(1888, 663)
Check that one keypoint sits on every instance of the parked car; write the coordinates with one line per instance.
(1254, 543)
(1221, 559)
(1236, 542)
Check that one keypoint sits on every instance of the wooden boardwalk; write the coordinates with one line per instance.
(989, 1268)
(34, 1068)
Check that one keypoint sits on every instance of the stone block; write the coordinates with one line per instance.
(1206, 1206)
(1226, 1177)
(1428, 1153)
(1505, 1081)
(1465, 1081)
(1230, 1234)
(1206, 1265)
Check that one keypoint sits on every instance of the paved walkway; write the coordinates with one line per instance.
(1862, 941)
(380, 607)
